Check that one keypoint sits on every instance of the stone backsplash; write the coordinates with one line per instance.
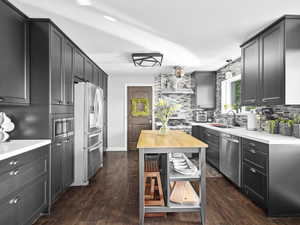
(184, 115)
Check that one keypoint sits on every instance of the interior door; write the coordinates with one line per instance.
(139, 114)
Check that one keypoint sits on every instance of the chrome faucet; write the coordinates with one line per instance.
(233, 123)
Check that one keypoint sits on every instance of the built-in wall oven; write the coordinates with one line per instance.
(230, 158)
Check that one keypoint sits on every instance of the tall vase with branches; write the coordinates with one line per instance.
(164, 109)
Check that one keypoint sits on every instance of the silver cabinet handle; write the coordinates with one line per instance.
(232, 140)
(13, 163)
(269, 99)
(252, 151)
(1, 99)
(58, 144)
(253, 170)
(252, 144)
(14, 201)
(14, 173)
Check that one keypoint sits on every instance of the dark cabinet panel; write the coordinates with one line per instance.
(56, 67)
(255, 184)
(88, 68)
(78, 64)
(14, 89)
(250, 73)
(94, 158)
(32, 200)
(56, 170)
(205, 91)
(68, 72)
(272, 65)
(68, 162)
(8, 209)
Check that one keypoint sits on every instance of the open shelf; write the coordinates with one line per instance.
(175, 176)
(184, 206)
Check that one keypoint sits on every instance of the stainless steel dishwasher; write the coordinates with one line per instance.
(230, 158)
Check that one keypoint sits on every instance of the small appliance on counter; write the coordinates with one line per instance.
(251, 121)
(200, 116)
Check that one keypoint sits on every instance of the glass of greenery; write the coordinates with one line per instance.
(164, 109)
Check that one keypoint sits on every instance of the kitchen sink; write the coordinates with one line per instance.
(220, 125)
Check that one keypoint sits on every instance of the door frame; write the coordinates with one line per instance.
(126, 109)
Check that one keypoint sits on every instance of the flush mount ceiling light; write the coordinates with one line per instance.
(229, 73)
(111, 19)
(179, 72)
(147, 59)
(84, 2)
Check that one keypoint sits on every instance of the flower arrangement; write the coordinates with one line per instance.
(6, 125)
(164, 109)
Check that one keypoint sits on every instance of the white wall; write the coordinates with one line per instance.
(116, 104)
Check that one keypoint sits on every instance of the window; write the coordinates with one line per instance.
(231, 95)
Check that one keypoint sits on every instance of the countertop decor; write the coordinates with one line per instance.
(134, 106)
(164, 109)
(6, 125)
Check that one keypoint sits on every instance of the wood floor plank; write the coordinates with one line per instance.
(112, 199)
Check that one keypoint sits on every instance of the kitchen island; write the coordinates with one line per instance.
(151, 142)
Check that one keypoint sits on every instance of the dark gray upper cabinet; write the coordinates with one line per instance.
(96, 76)
(78, 64)
(14, 89)
(270, 65)
(68, 72)
(205, 90)
(57, 40)
(88, 69)
(250, 73)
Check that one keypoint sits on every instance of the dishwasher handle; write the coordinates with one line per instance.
(232, 140)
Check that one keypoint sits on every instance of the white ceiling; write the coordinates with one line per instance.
(194, 34)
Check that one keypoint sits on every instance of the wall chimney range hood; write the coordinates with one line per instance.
(147, 59)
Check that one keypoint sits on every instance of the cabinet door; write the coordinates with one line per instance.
(272, 65)
(88, 69)
(250, 73)
(14, 85)
(68, 163)
(68, 72)
(32, 201)
(56, 67)
(78, 64)
(56, 170)
(205, 95)
(96, 76)
(8, 210)
(101, 75)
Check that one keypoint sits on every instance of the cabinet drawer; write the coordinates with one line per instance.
(8, 183)
(258, 146)
(259, 159)
(255, 184)
(212, 156)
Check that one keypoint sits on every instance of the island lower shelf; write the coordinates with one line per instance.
(169, 176)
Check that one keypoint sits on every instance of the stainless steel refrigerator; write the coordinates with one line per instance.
(88, 132)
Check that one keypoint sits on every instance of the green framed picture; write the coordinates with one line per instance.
(135, 102)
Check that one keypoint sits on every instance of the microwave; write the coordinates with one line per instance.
(63, 127)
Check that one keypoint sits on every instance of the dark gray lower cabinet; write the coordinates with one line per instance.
(62, 170)
(255, 171)
(24, 188)
(68, 163)
(56, 169)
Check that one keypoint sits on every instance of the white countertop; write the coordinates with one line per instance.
(16, 147)
(253, 135)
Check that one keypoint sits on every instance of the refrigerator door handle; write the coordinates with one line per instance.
(95, 147)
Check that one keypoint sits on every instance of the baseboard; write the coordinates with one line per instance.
(116, 149)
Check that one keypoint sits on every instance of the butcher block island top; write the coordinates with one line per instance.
(173, 139)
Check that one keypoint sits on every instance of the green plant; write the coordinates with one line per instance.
(296, 119)
(165, 109)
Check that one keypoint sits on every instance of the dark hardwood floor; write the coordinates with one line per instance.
(113, 199)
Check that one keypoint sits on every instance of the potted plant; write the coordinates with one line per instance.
(164, 110)
(296, 126)
(272, 126)
(286, 127)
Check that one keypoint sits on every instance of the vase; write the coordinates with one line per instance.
(164, 128)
